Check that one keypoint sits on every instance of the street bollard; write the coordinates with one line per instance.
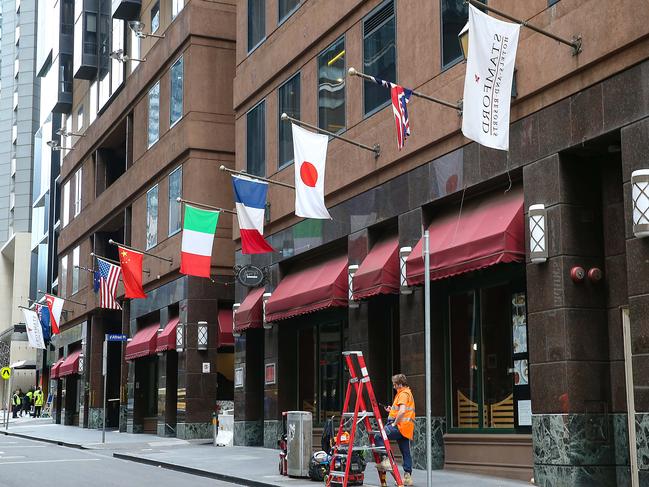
(215, 426)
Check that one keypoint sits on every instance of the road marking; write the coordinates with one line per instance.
(11, 457)
(54, 461)
(22, 446)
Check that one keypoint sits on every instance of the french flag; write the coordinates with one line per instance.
(250, 201)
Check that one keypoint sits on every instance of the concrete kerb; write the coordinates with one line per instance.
(194, 471)
(46, 440)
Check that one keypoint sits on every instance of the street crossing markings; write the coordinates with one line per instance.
(54, 461)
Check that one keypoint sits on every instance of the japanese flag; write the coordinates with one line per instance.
(310, 152)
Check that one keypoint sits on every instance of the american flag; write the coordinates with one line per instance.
(400, 99)
(108, 279)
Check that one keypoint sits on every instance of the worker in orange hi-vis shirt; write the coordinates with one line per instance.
(400, 426)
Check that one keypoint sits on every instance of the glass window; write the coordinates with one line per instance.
(256, 140)
(92, 95)
(135, 50)
(80, 118)
(175, 191)
(75, 270)
(379, 55)
(155, 17)
(552, 2)
(154, 113)
(152, 217)
(66, 203)
(287, 7)
(256, 22)
(176, 102)
(289, 103)
(63, 280)
(176, 7)
(455, 15)
(331, 87)
(78, 176)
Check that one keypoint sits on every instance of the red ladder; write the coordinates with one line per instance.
(358, 384)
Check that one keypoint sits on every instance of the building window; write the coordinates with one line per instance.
(176, 102)
(66, 203)
(92, 97)
(175, 191)
(552, 2)
(176, 7)
(379, 55)
(155, 17)
(63, 278)
(286, 8)
(78, 176)
(135, 50)
(289, 102)
(80, 118)
(331, 87)
(455, 15)
(256, 140)
(75, 270)
(154, 114)
(152, 217)
(256, 23)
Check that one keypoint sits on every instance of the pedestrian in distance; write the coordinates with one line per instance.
(30, 400)
(399, 427)
(15, 403)
(38, 402)
(25, 404)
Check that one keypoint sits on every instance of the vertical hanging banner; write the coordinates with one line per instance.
(488, 81)
(310, 159)
(199, 227)
(250, 199)
(34, 329)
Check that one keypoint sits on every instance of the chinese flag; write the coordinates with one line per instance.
(131, 262)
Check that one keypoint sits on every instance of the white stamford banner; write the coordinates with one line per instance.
(310, 152)
(488, 81)
(34, 329)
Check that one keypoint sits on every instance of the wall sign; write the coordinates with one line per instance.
(250, 276)
(269, 374)
(206, 367)
(238, 377)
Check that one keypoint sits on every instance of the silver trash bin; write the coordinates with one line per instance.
(299, 440)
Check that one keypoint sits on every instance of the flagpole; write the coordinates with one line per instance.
(64, 299)
(575, 43)
(457, 106)
(116, 262)
(209, 207)
(92, 271)
(376, 149)
(33, 301)
(248, 175)
(166, 259)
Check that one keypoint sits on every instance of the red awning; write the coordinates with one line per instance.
(312, 289)
(487, 232)
(70, 365)
(143, 343)
(225, 328)
(54, 371)
(249, 314)
(167, 339)
(379, 272)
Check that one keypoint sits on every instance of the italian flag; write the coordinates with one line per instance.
(198, 237)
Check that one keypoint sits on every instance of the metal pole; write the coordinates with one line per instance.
(65, 299)
(244, 173)
(215, 430)
(116, 262)
(457, 106)
(104, 364)
(166, 259)
(209, 207)
(429, 453)
(376, 149)
(575, 43)
(8, 401)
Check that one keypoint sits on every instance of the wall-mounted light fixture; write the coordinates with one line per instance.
(351, 270)
(640, 199)
(55, 146)
(538, 233)
(404, 252)
(202, 336)
(121, 57)
(180, 337)
(235, 332)
(264, 299)
(138, 29)
(80, 363)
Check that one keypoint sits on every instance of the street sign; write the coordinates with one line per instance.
(116, 337)
(250, 276)
(5, 373)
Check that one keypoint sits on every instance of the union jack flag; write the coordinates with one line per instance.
(108, 279)
(400, 99)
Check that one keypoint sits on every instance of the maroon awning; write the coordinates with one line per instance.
(225, 328)
(379, 272)
(249, 314)
(143, 343)
(70, 365)
(54, 371)
(166, 340)
(312, 289)
(487, 232)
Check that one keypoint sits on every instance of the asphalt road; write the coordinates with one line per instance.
(27, 462)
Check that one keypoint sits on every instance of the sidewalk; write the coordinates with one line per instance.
(251, 466)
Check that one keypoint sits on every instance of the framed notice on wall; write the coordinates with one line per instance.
(269, 374)
(238, 377)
